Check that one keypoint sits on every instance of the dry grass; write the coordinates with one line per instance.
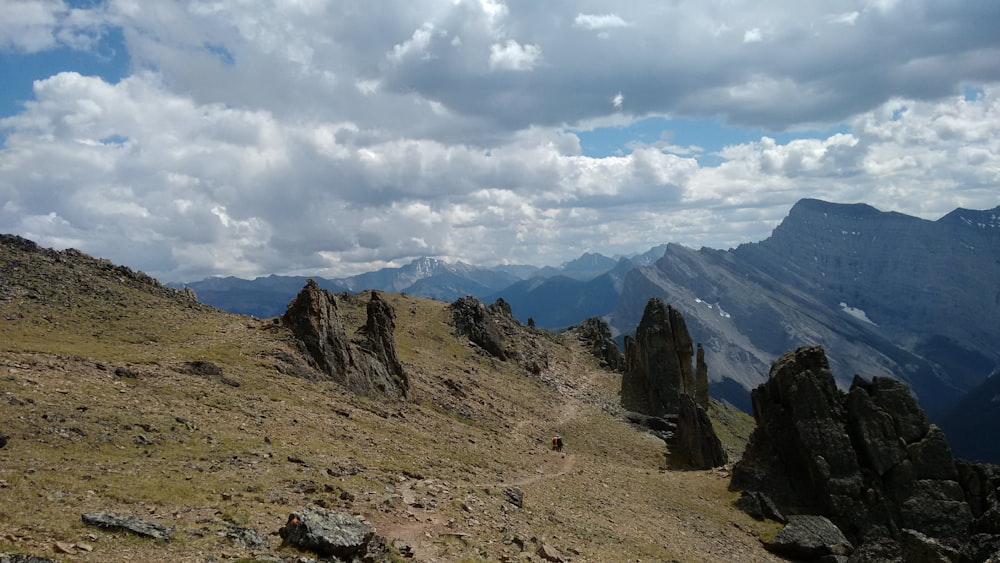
(194, 453)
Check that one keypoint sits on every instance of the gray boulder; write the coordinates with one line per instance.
(333, 534)
(808, 537)
(129, 524)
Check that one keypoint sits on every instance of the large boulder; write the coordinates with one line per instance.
(367, 366)
(658, 366)
(333, 534)
(868, 459)
(808, 538)
(595, 335)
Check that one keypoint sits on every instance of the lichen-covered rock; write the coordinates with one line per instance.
(129, 524)
(333, 534)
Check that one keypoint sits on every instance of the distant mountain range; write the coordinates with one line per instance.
(884, 292)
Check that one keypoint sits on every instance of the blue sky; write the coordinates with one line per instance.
(190, 139)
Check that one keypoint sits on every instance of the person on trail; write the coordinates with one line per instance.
(557, 443)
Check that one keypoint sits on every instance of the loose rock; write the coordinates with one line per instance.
(129, 524)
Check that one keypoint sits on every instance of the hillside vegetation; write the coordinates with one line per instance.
(104, 413)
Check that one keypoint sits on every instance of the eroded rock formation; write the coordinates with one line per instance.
(472, 320)
(368, 365)
(869, 461)
(695, 444)
(595, 335)
(658, 363)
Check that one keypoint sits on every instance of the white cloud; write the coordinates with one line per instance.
(29, 26)
(514, 56)
(598, 21)
(301, 137)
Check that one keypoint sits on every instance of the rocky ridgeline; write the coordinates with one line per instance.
(869, 462)
(668, 394)
(24, 265)
(595, 336)
(367, 365)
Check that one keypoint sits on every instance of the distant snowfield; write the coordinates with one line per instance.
(856, 313)
(717, 306)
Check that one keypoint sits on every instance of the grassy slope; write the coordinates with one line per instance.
(192, 452)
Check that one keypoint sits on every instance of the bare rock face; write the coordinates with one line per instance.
(595, 335)
(695, 444)
(869, 461)
(658, 363)
(368, 366)
(473, 320)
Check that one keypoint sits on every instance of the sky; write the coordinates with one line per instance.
(192, 138)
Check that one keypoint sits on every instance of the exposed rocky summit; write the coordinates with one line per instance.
(658, 365)
(868, 460)
(595, 335)
(368, 365)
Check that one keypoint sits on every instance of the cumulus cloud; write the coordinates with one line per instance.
(511, 55)
(329, 138)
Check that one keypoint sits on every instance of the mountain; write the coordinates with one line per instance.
(974, 417)
(884, 293)
(588, 266)
(125, 397)
(559, 301)
(426, 277)
(263, 297)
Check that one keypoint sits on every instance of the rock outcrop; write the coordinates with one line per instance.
(695, 444)
(869, 461)
(595, 335)
(368, 365)
(473, 320)
(658, 363)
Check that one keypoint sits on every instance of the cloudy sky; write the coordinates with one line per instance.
(250, 137)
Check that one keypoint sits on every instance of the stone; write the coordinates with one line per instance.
(695, 444)
(368, 366)
(3, 440)
(129, 524)
(917, 547)
(331, 534)
(658, 363)
(515, 496)
(595, 335)
(760, 506)
(809, 537)
(248, 539)
(472, 320)
(549, 553)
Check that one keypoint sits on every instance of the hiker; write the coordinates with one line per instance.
(557, 443)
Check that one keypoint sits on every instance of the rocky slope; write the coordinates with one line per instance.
(122, 397)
